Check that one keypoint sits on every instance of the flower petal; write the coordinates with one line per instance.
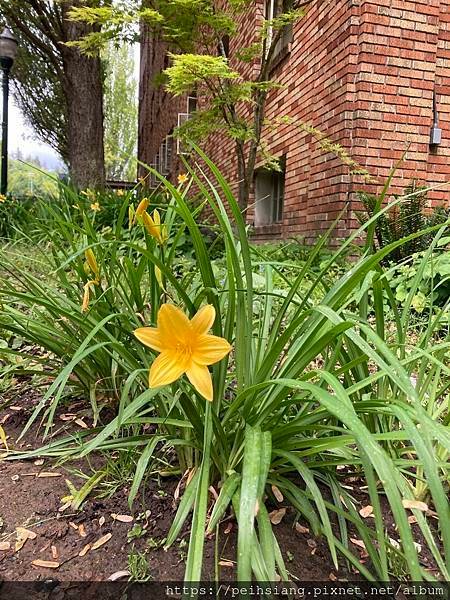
(150, 336)
(204, 319)
(174, 326)
(209, 349)
(200, 377)
(165, 369)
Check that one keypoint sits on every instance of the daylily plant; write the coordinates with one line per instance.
(185, 347)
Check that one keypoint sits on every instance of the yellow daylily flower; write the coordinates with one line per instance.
(154, 227)
(93, 266)
(120, 192)
(92, 262)
(87, 295)
(95, 206)
(89, 193)
(182, 178)
(142, 207)
(185, 347)
(2, 198)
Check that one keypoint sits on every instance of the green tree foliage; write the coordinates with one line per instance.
(38, 72)
(30, 179)
(121, 111)
(233, 96)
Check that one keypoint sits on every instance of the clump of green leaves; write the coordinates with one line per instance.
(409, 214)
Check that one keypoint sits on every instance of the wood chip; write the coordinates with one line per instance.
(105, 538)
(358, 543)
(73, 525)
(45, 564)
(412, 519)
(85, 550)
(332, 577)
(81, 423)
(64, 507)
(101, 521)
(276, 516)
(5, 546)
(48, 474)
(39, 462)
(82, 530)
(122, 518)
(301, 529)
(366, 511)
(415, 504)
(54, 550)
(277, 493)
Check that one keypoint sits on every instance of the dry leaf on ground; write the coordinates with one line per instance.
(366, 511)
(226, 563)
(22, 536)
(276, 516)
(118, 575)
(277, 493)
(358, 543)
(415, 504)
(301, 529)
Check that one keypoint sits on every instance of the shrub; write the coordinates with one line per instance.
(408, 215)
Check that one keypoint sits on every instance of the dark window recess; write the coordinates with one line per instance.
(269, 197)
(166, 62)
(192, 103)
(274, 8)
(223, 49)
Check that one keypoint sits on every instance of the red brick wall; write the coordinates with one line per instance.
(361, 71)
(402, 59)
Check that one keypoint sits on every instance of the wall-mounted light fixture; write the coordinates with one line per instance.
(436, 132)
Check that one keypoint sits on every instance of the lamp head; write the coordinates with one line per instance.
(8, 48)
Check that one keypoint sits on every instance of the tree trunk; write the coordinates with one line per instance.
(83, 88)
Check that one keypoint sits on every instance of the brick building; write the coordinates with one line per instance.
(373, 75)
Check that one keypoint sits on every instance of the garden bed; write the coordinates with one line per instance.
(32, 499)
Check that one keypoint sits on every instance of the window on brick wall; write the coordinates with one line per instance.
(223, 49)
(269, 196)
(273, 9)
(191, 107)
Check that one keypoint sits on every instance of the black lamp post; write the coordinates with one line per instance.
(8, 51)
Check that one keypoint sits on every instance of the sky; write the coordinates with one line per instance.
(22, 137)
